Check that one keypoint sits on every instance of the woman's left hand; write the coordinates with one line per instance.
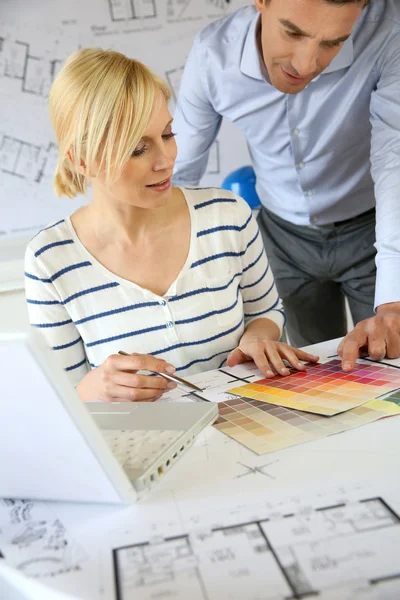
(267, 353)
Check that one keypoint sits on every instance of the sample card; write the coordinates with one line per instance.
(324, 389)
(264, 427)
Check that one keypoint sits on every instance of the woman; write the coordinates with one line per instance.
(176, 277)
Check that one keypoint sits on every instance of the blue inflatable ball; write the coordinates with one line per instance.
(243, 183)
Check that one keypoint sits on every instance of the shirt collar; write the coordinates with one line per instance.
(252, 64)
(342, 60)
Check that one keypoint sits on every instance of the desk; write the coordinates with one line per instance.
(217, 483)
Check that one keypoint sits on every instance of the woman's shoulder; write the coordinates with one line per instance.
(51, 248)
(54, 234)
(216, 200)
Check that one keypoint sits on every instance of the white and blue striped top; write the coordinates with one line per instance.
(87, 313)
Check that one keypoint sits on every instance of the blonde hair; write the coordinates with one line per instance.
(100, 106)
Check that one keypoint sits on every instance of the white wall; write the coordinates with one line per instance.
(35, 38)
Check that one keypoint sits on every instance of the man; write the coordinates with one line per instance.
(315, 87)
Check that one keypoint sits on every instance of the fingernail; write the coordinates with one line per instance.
(347, 365)
(269, 374)
(171, 385)
(299, 364)
(285, 371)
(170, 369)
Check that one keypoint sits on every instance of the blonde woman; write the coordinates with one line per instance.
(176, 277)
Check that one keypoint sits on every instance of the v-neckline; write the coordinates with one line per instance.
(126, 282)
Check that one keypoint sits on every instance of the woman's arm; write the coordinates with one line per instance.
(263, 310)
(116, 379)
(48, 314)
(257, 286)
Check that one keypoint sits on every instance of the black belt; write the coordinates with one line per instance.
(371, 211)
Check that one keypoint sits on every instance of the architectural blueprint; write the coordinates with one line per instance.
(299, 555)
(40, 545)
(35, 40)
(337, 543)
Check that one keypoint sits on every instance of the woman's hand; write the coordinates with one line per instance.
(117, 379)
(268, 353)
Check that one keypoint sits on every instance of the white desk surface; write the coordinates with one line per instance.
(215, 477)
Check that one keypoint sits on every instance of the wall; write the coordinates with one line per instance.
(35, 38)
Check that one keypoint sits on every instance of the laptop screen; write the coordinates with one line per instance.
(46, 433)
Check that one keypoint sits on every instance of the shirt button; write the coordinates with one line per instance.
(162, 302)
(170, 324)
(296, 132)
(315, 219)
(301, 165)
(309, 193)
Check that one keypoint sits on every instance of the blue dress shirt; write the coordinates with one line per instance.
(323, 155)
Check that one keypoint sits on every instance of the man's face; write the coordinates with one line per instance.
(300, 38)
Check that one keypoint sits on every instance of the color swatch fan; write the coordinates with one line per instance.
(324, 389)
(264, 427)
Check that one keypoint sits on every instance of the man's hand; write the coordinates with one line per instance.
(377, 336)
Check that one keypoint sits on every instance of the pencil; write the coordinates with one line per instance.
(174, 378)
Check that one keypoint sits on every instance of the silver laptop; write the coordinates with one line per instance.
(55, 447)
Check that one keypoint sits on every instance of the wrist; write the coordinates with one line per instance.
(252, 337)
(88, 388)
(389, 308)
(262, 329)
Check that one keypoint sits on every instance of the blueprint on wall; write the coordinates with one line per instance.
(35, 39)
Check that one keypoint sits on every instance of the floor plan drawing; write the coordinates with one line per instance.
(39, 546)
(298, 555)
(181, 10)
(126, 10)
(19, 158)
(26, 160)
(35, 73)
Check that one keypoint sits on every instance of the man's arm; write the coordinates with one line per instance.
(380, 335)
(195, 120)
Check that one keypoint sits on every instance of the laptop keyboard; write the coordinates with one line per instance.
(140, 448)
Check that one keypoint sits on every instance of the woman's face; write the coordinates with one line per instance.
(145, 181)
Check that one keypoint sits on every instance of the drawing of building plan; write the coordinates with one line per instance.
(121, 10)
(342, 543)
(297, 556)
(189, 9)
(39, 545)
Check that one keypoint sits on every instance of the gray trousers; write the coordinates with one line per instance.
(315, 268)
